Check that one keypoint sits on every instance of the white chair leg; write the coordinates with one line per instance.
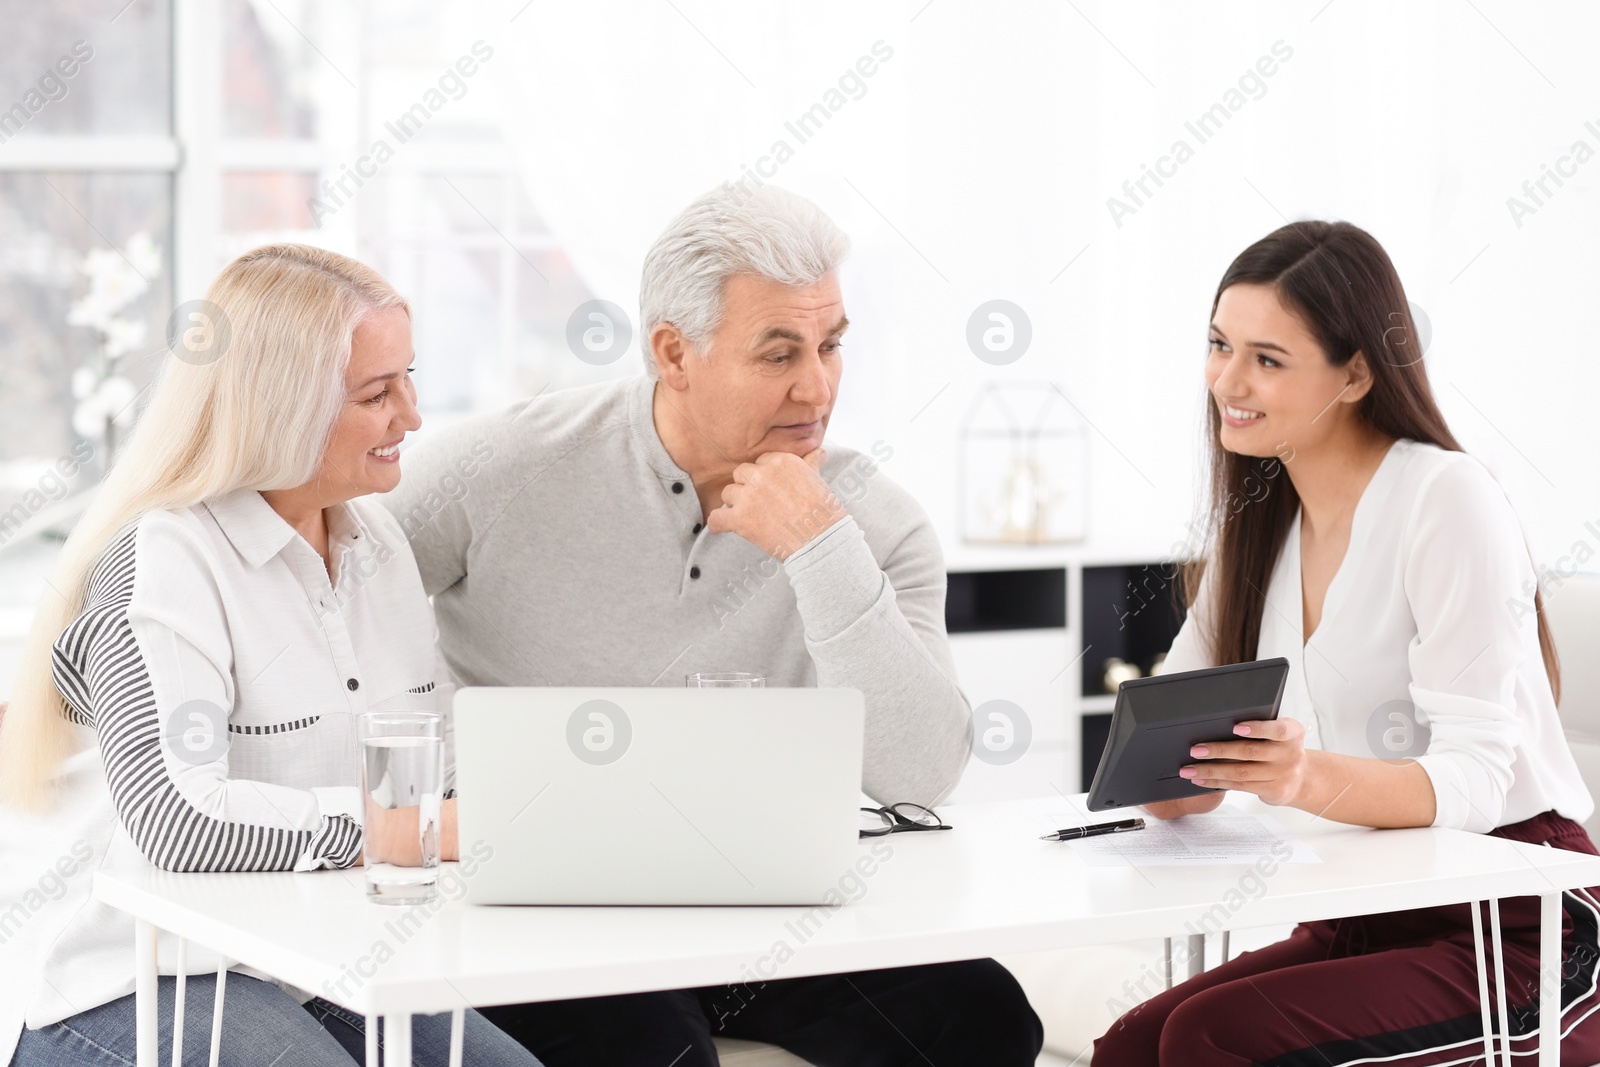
(1166, 949)
(216, 1010)
(1550, 980)
(177, 1002)
(373, 1022)
(1483, 986)
(458, 1026)
(1197, 954)
(146, 1024)
(1224, 949)
(1500, 983)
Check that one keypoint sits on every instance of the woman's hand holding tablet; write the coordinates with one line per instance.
(1160, 724)
(1271, 763)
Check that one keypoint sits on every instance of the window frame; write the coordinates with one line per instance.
(198, 158)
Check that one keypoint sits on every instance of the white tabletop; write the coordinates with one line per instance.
(987, 887)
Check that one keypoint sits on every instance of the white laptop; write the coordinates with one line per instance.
(657, 796)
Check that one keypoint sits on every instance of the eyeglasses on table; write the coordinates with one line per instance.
(899, 818)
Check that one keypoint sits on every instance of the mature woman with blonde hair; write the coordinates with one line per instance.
(187, 697)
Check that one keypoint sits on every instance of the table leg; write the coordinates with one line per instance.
(146, 1025)
(373, 1021)
(1483, 984)
(1500, 983)
(177, 1002)
(216, 1009)
(398, 1028)
(1550, 980)
(458, 1025)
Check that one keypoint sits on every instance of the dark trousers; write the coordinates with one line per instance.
(946, 1014)
(1397, 989)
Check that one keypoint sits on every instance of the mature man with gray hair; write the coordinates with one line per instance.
(592, 547)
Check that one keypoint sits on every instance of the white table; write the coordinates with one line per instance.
(988, 887)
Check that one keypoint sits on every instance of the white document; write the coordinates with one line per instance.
(1217, 838)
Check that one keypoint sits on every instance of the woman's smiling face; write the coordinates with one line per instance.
(1270, 378)
(380, 408)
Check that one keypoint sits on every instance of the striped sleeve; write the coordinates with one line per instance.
(146, 664)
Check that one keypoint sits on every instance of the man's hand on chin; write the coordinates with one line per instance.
(778, 503)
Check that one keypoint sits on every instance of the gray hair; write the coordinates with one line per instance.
(771, 233)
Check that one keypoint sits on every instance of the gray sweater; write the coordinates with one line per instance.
(558, 540)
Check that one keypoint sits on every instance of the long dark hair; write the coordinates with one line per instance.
(1340, 282)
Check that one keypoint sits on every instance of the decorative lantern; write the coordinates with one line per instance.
(1025, 467)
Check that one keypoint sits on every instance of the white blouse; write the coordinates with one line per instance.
(214, 676)
(1427, 647)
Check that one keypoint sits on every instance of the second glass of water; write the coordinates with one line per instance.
(402, 790)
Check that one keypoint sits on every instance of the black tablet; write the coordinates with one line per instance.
(1157, 720)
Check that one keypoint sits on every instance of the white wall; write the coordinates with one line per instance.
(979, 161)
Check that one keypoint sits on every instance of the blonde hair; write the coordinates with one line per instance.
(257, 414)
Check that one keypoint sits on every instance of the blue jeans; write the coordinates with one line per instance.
(262, 1026)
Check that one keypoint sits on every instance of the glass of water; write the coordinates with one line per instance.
(725, 680)
(402, 790)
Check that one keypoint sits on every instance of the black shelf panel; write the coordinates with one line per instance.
(977, 601)
(1131, 613)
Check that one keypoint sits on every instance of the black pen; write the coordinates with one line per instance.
(1072, 833)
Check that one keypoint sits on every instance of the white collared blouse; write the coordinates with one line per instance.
(1427, 647)
(214, 674)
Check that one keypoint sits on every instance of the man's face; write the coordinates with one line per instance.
(773, 372)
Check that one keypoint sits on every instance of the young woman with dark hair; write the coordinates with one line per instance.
(1386, 565)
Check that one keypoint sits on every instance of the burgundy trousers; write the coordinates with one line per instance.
(1398, 989)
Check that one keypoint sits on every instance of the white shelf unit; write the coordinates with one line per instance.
(1039, 669)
